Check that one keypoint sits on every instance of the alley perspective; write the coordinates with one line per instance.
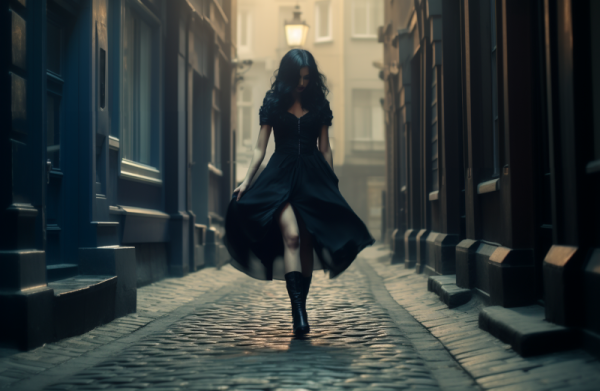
(422, 174)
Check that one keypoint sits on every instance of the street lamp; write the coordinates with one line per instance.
(296, 30)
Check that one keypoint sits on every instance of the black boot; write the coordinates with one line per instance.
(305, 288)
(295, 287)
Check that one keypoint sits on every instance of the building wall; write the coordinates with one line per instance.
(105, 156)
(495, 192)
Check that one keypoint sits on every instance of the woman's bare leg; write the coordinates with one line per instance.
(297, 285)
(306, 249)
(291, 239)
(294, 281)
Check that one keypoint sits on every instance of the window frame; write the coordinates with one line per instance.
(329, 36)
(249, 28)
(241, 105)
(435, 124)
(130, 169)
(369, 9)
(495, 112)
(593, 167)
(54, 86)
(366, 144)
(216, 125)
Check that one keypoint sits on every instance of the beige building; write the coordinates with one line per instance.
(343, 39)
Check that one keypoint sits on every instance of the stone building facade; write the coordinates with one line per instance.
(493, 135)
(116, 155)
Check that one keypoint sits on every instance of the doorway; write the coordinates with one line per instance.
(61, 138)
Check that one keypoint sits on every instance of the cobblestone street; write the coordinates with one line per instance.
(220, 330)
(244, 342)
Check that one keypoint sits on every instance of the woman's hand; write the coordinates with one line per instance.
(240, 190)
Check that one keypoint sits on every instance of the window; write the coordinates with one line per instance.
(55, 45)
(403, 158)
(367, 16)
(323, 19)
(139, 97)
(368, 132)
(215, 155)
(434, 132)
(494, 75)
(244, 31)
(245, 123)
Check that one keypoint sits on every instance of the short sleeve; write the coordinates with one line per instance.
(265, 113)
(265, 118)
(326, 114)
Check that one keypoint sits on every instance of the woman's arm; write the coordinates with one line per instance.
(257, 157)
(324, 146)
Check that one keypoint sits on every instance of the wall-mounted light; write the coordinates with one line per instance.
(241, 67)
(296, 30)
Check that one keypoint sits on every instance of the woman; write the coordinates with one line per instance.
(294, 206)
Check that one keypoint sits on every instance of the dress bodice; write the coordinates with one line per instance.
(296, 135)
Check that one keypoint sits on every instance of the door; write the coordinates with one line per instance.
(543, 179)
(59, 114)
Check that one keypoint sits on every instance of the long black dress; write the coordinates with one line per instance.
(299, 174)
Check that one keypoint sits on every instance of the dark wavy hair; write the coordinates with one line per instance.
(280, 97)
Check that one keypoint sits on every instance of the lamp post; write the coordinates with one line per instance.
(296, 30)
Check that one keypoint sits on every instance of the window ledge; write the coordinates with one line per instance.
(105, 223)
(113, 143)
(434, 195)
(140, 172)
(488, 186)
(132, 210)
(56, 173)
(115, 210)
(593, 167)
(364, 37)
(324, 40)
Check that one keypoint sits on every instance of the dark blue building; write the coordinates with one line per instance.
(116, 155)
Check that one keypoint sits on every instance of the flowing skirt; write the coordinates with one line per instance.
(307, 182)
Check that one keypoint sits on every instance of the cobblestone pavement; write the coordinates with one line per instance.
(154, 303)
(376, 327)
(240, 339)
(493, 364)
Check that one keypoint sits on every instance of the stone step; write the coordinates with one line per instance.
(82, 303)
(450, 294)
(527, 331)
(61, 271)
